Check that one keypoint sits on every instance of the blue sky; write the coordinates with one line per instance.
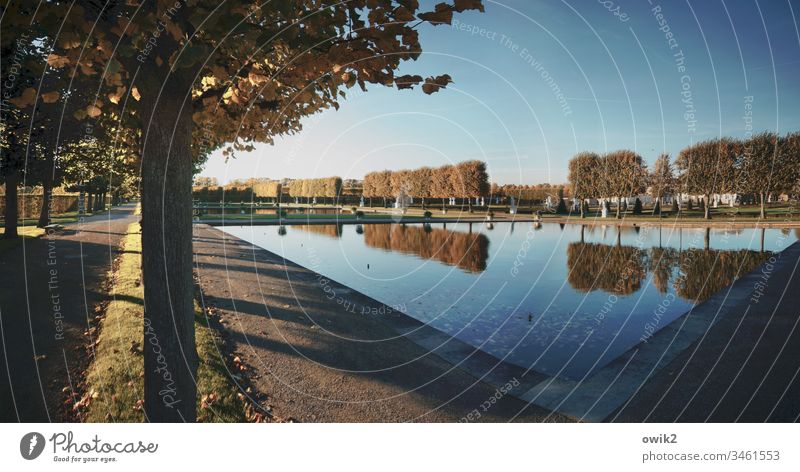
(537, 81)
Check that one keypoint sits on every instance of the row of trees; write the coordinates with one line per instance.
(618, 174)
(468, 179)
(208, 189)
(43, 138)
(535, 193)
(762, 165)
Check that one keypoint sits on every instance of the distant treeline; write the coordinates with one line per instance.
(257, 189)
(762, 165)
(464, 180)
(531, 193)
(316, 188)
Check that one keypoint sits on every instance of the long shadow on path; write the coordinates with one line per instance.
(48, 290)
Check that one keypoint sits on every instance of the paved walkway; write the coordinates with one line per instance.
(48, 288)
(319, 358)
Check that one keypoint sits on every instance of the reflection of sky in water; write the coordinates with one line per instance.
(561, 306)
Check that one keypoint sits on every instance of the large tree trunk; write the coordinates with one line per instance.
(763, 205)
(657, 206)
(706, 207)
(47, 197)
(619, 207)
(90, 202)
(170, 357)
(11, 214)
(82, 202)
(47, 192)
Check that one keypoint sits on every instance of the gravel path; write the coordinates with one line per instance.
(48, 290)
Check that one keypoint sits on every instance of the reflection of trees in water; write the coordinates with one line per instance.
(333, 231)
(696, 274)
(468, 251)
(706, 272)
(615, 269)
(661, 263)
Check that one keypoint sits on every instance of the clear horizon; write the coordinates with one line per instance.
(536, 82)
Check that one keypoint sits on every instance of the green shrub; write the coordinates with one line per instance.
(562, 207)
(427, 214)
(637, 207)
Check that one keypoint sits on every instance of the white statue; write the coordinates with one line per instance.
(402, 200)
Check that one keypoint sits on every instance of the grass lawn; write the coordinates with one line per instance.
(114, 382)
(27, 228)
(774, 212)
(741, 213)
(24, 232)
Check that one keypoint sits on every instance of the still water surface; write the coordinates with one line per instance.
(561, 300)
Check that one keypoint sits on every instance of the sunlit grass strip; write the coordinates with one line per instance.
(114, 380)
(24, 232)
